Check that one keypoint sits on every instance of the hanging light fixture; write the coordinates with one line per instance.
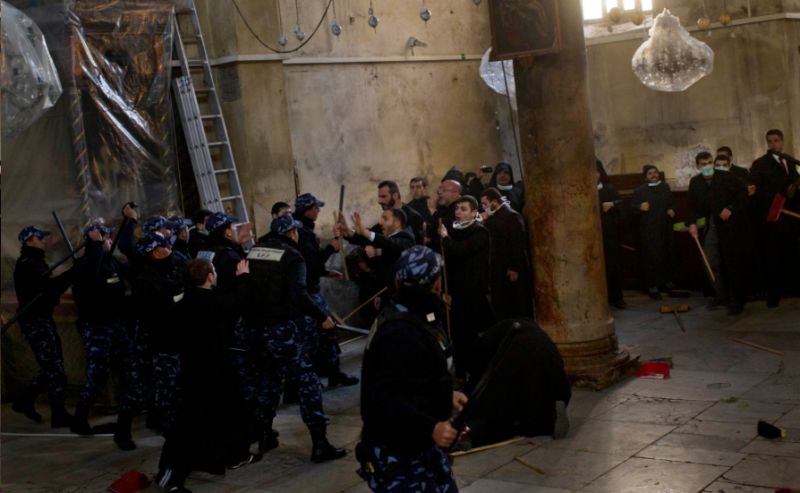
(372, 20)
(671, 59)
(298, 33)
(282, 39)
(424, 12)
(336, 29)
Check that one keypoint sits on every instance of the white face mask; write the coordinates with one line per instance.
(655, 184)
(505, 188)
(707, 170)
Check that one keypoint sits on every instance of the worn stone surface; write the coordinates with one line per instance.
(635, 436)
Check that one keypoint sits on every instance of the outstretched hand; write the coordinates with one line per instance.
(243, 267)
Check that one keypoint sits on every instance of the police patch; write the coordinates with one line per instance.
(266, 254)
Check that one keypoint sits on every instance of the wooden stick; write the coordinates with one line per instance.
(678, 319)
(627, 247)
(790, 213)
(486, 447)
(529, 465)
(362, 305)
(759, 346)
(444, 284)
(705, 259)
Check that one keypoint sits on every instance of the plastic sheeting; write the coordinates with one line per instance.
(109, 139)
(671, 60)
(29, 78)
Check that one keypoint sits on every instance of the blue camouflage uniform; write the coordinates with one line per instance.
(37, 325)
(99, 292)
(406, 386)
(158, 288)
(284, 323)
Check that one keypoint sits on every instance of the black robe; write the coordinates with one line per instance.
(778, 241)
(466, 253)
(212, 427)
(610, 222)
(509, 252)
(520, 396)
(655, 232)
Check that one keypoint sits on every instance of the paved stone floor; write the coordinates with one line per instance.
(695, 432)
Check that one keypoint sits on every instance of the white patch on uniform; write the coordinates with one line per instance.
(267, 254)
(431, 317)
(178, 297)
(112, 280)
(206, 255)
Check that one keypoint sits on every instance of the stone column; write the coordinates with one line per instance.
(562, 207)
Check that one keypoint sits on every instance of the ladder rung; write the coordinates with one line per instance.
(232, 197)
(216, 144)
(221, 171)
(196, 62)
(209, 117)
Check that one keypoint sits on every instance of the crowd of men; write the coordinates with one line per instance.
(219, 327)
(750, 248)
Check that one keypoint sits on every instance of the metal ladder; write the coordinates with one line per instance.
(202, 121)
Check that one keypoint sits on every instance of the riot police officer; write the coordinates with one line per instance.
(286, 317)
(158, 288)
(32, 279)
(99, 292)
(406, 390)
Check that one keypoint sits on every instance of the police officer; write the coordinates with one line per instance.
(198, 234)
(406, 391)
(306, 211)
(158, 288)
(180, 232)
(31, 278)
(288, 317)
(99, 292)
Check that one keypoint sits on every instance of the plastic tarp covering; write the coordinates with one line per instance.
(109, 139)
(671, 60)
(499, 76)
(29, 78)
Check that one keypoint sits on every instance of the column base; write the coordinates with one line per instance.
(597, 364)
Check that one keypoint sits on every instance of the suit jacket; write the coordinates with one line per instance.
(770, 177)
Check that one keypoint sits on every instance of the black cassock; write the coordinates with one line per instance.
(523, 385)
(509, 252)
(213, 426)
(655, 233)
(611, 240)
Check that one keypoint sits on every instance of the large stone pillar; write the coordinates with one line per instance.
(562, 207)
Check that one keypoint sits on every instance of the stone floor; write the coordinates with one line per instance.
(695, 432)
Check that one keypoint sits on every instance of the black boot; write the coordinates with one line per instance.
(122, 433)
(25, 404)
(59, 417)
(80, 423)
(268, 439)
(321, 449)
(340, 378)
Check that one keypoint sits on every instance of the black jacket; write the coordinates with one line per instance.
(415, 223)
(197, 241)
(508, 242)
(654, 221)
(157, 289)
(227, 255)
(279, 273)
(420, 205)
(30, 280)
(445, 214)
(315, 257)
(405, 384)
(99, 288)
(770, 178)
(391, 248)
(707, 198)
(467, 256)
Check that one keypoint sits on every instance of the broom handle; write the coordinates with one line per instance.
(790, 213)
(446, 291)
(705, 259)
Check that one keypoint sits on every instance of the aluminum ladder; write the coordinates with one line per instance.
(202, 120)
